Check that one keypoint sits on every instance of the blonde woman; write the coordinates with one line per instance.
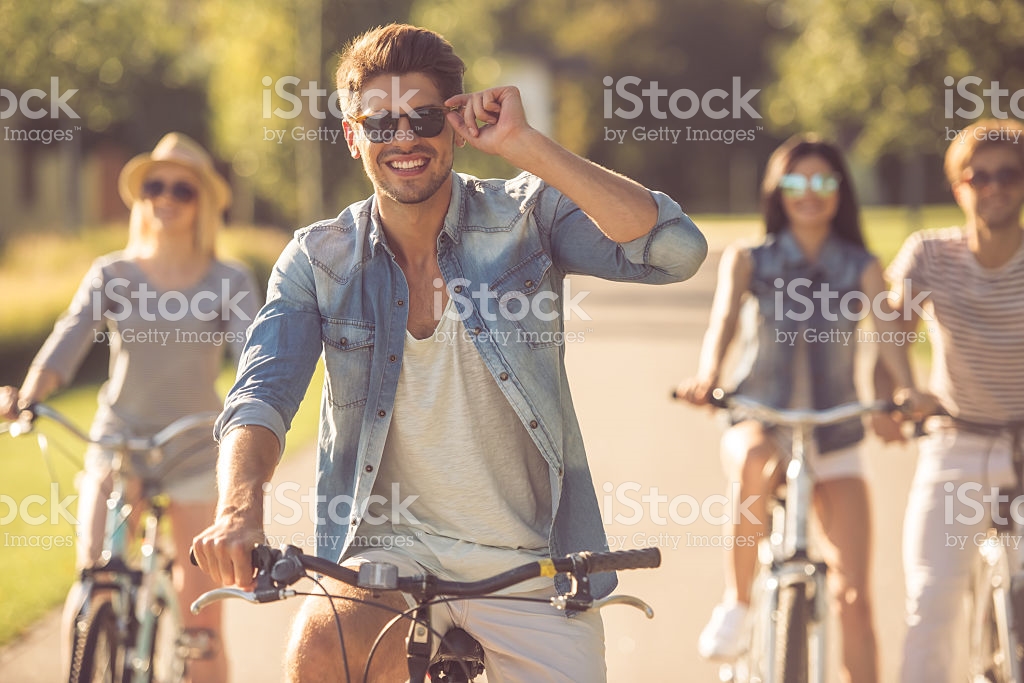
(169, 310)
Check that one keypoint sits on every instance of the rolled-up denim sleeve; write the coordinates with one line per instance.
(671, 251)
(280, 354)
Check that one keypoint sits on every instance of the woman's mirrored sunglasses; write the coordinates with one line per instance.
(796, 185)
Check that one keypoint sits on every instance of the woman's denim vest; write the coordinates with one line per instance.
(782, 309)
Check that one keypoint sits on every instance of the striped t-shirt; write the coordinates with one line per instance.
(975, 321)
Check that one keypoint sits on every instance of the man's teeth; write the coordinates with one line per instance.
(415, 163)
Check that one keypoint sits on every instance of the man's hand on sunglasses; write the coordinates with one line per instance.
(500, 110)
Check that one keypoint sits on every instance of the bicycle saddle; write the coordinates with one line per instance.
(459, 658)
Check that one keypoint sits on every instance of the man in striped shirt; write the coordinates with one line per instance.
(971, 281)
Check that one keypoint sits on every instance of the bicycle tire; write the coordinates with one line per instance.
(97, 654)
(986, 651)
(791, 663)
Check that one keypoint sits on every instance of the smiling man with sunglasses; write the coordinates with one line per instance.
(974, 277)
(463, 458)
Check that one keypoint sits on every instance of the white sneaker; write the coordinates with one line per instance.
(725, 636)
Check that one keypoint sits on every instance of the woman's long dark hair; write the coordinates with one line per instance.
(846, 222)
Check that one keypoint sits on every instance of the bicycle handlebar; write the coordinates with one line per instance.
(26, 422)
(795, 418)
(277, 569)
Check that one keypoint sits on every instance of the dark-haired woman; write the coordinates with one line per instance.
(798, 357)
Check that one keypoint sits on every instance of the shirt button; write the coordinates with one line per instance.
(503, 376)
(392, 358)
(369, 468)
(533, 424)
(401, 303)
(529, 283)
(476, 330)
(458, 289)
(344, 341)
(381, 413)
(355, 522)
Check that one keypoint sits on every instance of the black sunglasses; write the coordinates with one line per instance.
(181, 192)
(1005, 177)
(425, 122)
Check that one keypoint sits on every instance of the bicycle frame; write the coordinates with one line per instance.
(784, 557)
(137, 597)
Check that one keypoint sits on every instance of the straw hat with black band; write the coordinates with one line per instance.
(174, 148)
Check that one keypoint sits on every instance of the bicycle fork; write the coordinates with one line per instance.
(813, 577)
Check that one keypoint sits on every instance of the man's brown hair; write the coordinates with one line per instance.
(397, 49)
(989, 132)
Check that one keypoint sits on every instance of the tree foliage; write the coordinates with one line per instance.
(874, 72)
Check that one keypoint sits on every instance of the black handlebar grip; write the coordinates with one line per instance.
(642, 558)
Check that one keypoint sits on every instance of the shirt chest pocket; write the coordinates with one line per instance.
(348, 355)
(527, 299)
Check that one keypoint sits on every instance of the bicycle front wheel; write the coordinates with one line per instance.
(791, 632)
(97, 655)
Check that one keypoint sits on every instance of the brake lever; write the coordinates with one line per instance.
(219, 594)
(629, 600)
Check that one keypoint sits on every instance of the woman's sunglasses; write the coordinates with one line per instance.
(796, 185)
(425, 122)
(180, 191)
(1008, 176)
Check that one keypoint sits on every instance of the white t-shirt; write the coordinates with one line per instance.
(482, 489)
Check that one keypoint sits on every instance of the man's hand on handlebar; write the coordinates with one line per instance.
(224, 550)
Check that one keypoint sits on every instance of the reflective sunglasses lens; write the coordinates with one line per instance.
(793, 185)
(824, 185)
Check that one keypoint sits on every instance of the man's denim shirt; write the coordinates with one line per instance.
(337, 290)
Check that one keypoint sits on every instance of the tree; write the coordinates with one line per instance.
(875, 73)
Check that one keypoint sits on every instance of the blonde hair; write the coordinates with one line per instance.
(968, 141)
(208, 223)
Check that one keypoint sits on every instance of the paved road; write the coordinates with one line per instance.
(639, 342)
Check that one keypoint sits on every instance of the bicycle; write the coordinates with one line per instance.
(459, 658)
(996, 617)
(127, 627)
(789, 599)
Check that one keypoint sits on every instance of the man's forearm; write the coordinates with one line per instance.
(622, 208)
(248, 458)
